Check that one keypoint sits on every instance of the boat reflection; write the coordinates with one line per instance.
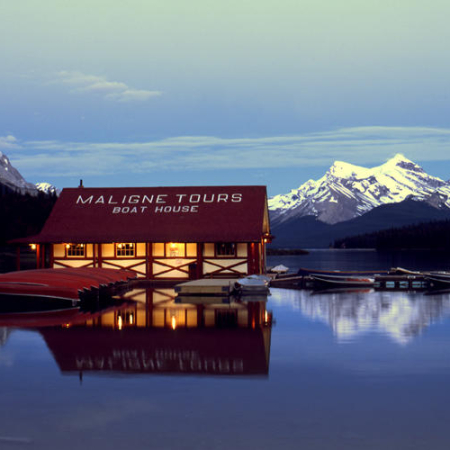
(153, 333)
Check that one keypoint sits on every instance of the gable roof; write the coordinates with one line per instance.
(157, 214)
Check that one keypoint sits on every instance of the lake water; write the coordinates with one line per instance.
(362, 370)
(364, 260)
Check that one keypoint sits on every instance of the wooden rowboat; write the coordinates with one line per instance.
(327, 281)
(438, 279)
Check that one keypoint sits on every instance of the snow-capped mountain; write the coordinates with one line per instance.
(12, 180)
(47, 188)
(347, 191)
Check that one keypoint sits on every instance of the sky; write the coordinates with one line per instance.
(202, 92)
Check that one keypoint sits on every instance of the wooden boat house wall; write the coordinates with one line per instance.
(161, 233)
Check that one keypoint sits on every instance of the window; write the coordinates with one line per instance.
(175, 250)
(125, 249)
(75, 250)
(225, 249)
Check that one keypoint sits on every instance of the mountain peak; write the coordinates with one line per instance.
(399, 160)
(47, 188)
(341, 169)
(348, 191)
(399, 157)
(12, 180)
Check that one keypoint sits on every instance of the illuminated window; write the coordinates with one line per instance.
(126, 249)
(225, 249)
(175, 250)
(76, 250)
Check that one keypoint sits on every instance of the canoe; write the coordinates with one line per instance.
(16, 297)
(438, 279)
(358, 273)
(328, 281)
(43, 289)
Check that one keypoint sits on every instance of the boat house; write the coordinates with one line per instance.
(159, 232)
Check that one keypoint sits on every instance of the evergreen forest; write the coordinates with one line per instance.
(23, 215)
(431, 235)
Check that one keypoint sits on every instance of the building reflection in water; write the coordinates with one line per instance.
(156, 333)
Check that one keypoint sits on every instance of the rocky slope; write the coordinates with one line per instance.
(11, 180)
(347, 191)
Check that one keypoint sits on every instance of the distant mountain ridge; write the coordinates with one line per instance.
(309, 232)
(12, 181)
(24, 207)
(347, 191)
(47, 188)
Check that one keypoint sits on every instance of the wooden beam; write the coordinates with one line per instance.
(38, 255)
(149, 258)
(199, 260)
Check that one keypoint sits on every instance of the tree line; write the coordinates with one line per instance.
(431, 235)
(23, 215)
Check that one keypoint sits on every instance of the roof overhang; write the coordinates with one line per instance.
(159, 214)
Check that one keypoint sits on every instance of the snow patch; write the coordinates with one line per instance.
(358, 189)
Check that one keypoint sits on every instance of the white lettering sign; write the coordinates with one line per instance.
(167, 204)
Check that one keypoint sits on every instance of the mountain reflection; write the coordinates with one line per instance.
(156, 333)
(351, 314)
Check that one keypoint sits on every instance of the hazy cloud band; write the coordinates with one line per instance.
(359, 145)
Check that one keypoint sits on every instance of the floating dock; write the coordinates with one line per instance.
(207, 286)
(252, 285)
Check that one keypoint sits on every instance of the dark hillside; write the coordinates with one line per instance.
(308, 232)
(430, 236)
(23, 215)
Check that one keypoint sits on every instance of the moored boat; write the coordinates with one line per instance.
(357, 273)
(280, 269)
(253, 284)
(438, 279)
(38, 296)
(347, 281)
(58, 288)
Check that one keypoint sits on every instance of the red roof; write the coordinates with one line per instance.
(157, 214)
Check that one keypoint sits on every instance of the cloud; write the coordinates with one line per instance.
(364, 145)
(8, 142)
(109, 90)
(132, 95)
(105, 86)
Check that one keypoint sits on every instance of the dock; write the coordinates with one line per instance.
(252, 288)
(207, 286)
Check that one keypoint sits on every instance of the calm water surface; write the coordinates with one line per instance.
(359, 370)
(364, 260)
